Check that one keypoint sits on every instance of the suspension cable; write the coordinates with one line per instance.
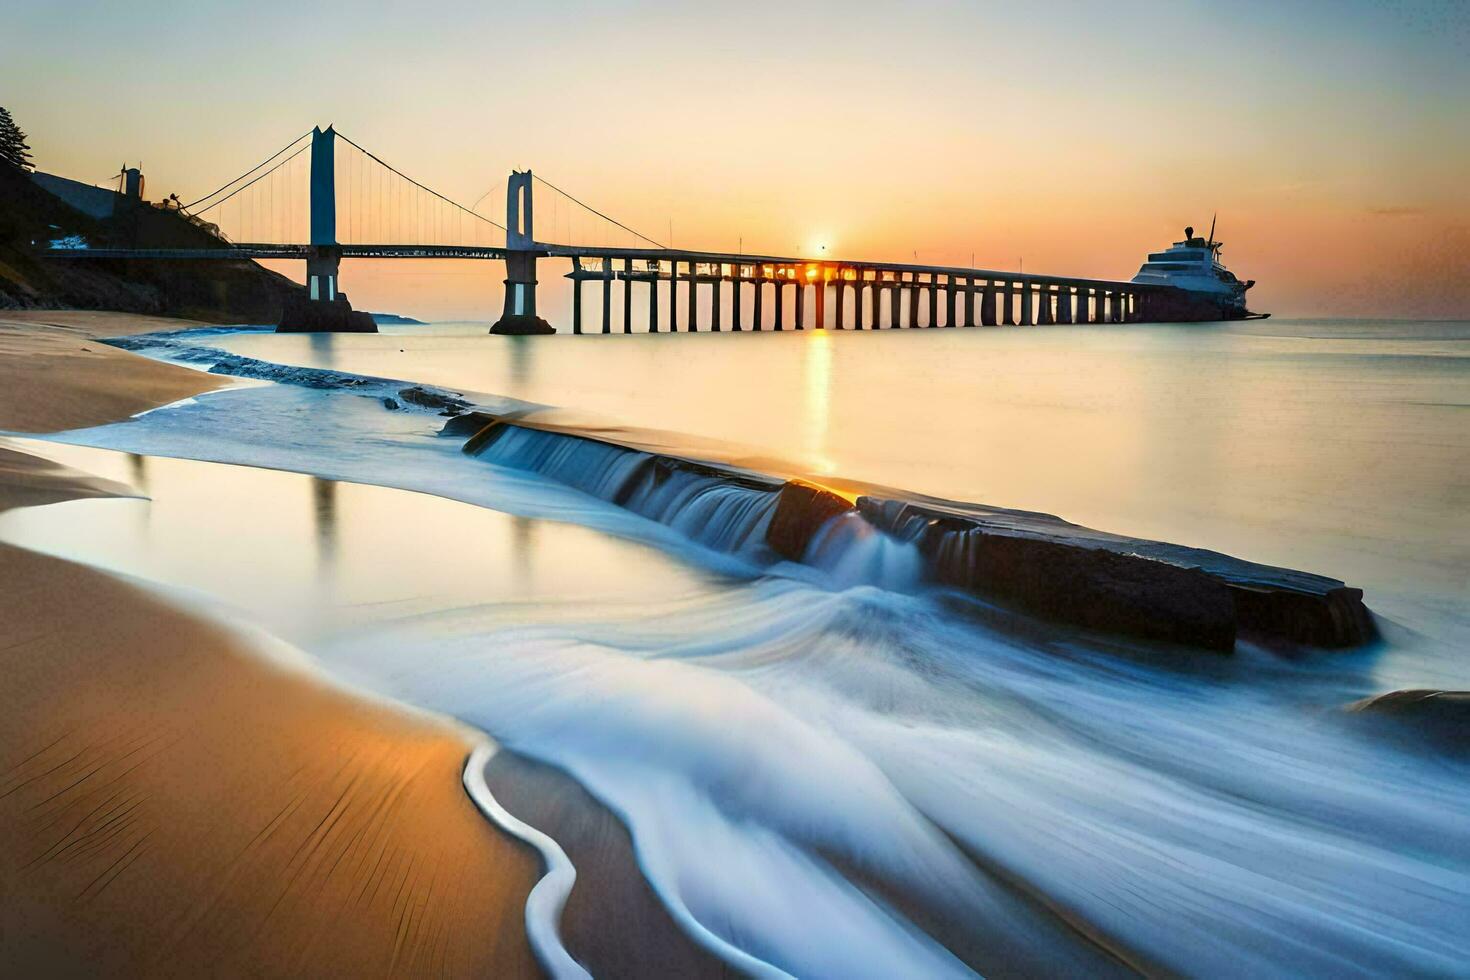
(597, 212)
(249, 172)
(383, 163)
(243, 186)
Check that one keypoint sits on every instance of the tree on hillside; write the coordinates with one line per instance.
(14, 151)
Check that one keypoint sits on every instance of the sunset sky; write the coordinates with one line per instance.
(1331, 137)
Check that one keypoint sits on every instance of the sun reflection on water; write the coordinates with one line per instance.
(817, 379)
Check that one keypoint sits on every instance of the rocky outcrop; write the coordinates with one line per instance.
(302, 315)
(801, 510)
(1059, 581)
(1438, 718)
(1150, 589)
(1036, 563)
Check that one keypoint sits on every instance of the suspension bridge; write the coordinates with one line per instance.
(312, 203)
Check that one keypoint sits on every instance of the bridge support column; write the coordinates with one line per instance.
(714, 303)
(987, 305)
(673, 296)
(868, 309)
(1044, 297)
(607, 280)
(519, 315)
(841, 323)
(576, 278)
(1064, 304)
(735, 300)
(970, 301)
(1026, 316)
(949, 301)
(760, 288)
(801, 305)
(933, 300)
(819, 295)
(693, 286)
(780, 313)
(655, 269)
(321, 273)
(912, 288)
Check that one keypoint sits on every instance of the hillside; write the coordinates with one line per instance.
(216, 291)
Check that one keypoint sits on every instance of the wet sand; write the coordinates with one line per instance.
(54, 374)
(173, 802)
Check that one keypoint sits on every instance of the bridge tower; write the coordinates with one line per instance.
(519, 315)
(325, 257)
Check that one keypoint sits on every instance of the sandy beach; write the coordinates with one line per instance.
(171, 801)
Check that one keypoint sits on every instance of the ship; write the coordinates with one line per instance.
(1199, 285)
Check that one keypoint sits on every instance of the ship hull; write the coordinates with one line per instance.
(1173, 305)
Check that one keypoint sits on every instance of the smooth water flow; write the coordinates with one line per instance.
(830, 769)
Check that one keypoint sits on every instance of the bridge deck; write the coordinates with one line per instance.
(389, 251)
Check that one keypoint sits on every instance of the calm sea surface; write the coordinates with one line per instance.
(1338, 446)
(830, 777)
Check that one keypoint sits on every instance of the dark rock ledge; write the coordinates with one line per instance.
(1050, 568)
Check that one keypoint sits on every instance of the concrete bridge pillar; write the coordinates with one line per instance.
(714, 303)
(735, 299)
(1010, 304)
(607, 280)
(800, 300)
(673, 296)
(970, 301)
(325, 258)
(987, 305)
(819, 293)
(779, 286)
(760, 288)
(519, 315)
(655, 270)
(1044, 314)
(1064, 304)
(933, 300)
(322, 265)
(949, 301)
(841, 286)
(912, 287)
(576, 278)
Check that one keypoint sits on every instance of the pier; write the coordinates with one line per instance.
(775, 293)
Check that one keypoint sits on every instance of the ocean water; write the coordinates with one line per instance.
(828, 769)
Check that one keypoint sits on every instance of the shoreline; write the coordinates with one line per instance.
(167, 794)
(306, 770)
